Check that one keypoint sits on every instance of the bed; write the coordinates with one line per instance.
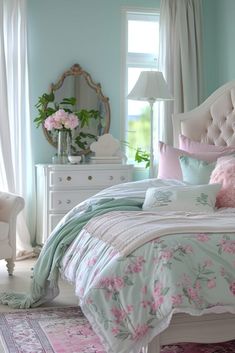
(158, 292)
(202, 125)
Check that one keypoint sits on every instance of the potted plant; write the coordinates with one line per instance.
(47, 106)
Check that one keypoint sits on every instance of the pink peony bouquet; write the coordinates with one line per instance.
(61, 120)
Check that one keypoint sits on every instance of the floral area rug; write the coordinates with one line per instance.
(66, 330)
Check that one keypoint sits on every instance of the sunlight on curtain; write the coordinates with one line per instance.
(16, 164)
(180, 57)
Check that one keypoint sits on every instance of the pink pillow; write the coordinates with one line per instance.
(191, 146)
(169, 165)
(224, 173)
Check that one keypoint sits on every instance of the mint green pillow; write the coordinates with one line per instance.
(195, 171)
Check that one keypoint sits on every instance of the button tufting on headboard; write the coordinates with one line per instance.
(213, 121)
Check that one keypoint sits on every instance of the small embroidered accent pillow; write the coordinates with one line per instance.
(195, 198)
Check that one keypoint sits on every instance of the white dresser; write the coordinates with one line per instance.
(60, 187)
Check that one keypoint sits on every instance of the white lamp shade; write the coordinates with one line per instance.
(150, 86)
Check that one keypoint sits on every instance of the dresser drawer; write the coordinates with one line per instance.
(87, 178)
(62, 201)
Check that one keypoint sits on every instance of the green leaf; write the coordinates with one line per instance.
(177, 259)
(165, 290)
(68, 110)
(127, 281)
(123, 335)
(168, 265)
(71, 101)
(115, 296)
(142, 156)
(208, 272)
(37, 119)
(150, 321)
(80, 144)
(92, 136)
(86, 134)
(185, 292)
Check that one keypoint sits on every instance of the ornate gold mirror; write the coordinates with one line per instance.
(77, 92)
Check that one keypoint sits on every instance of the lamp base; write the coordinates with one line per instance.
(151, 167)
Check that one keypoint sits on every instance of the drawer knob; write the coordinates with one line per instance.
(89, 177)
(68, 201)
(59, 179)
(59, 202)
(111, 177)
(122, 178)
(69, 178)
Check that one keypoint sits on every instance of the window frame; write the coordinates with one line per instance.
(137, 60)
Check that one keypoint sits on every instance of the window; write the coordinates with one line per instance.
(142, 52)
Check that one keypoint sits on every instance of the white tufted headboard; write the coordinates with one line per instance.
(211, 122)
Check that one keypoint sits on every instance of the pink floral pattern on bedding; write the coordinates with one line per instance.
(130, 299)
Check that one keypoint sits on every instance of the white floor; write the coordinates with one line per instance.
(20, 282)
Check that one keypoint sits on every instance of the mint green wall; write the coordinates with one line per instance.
(226, 40)
(219, 39)
(209, 46)
(64, 32)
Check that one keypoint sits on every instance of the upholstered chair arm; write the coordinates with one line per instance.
(10, 206)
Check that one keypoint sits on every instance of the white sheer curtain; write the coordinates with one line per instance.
(16, 165)
(180, 59)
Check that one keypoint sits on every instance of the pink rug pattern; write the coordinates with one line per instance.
(66, 330)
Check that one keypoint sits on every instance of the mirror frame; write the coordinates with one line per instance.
(76, 70)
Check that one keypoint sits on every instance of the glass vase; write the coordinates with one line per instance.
(63, 148)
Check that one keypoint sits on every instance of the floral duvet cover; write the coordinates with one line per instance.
(129, 300)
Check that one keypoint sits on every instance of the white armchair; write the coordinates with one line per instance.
(10, 206)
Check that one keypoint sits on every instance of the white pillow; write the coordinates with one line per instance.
(193, 198)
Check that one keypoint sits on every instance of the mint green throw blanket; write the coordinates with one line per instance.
(44, 286)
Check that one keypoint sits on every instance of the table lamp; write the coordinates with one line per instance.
(151, 87)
